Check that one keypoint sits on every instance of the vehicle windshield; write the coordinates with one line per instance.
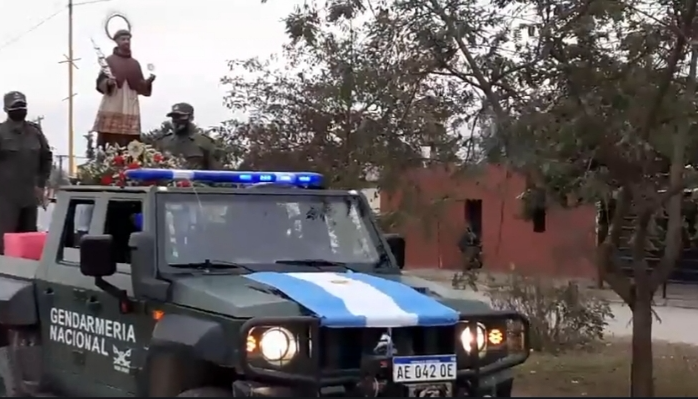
(265, 229)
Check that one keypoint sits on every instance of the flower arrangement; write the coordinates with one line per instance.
(110, 163)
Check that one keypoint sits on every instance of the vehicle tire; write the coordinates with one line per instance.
(206, 392)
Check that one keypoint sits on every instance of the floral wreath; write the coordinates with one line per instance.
(109, 166)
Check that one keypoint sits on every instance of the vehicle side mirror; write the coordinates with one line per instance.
(96, 259)
(396, 242)
(144, 273)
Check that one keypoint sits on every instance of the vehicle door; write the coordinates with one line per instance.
(65, 342)
(126, 336)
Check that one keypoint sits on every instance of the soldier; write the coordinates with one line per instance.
(187, 141)
(25, 166)
(471, 249)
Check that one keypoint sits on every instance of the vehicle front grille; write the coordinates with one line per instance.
(344, 348)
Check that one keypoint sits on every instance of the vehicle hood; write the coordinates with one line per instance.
(274, 294)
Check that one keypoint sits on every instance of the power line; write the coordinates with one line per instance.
(30, 30)
(45, 20)
(82, 3)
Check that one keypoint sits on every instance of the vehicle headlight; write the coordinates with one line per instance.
(479, 337)
(278, 344)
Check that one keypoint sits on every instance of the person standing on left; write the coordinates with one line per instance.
(25, 166)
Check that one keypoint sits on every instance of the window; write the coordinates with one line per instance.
(76, 225)
(258, 229)
(121, 223)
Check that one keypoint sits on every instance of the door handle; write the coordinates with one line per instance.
(80, 295)
(48, 291)
(93, 304)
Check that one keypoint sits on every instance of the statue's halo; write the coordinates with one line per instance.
(115, 22)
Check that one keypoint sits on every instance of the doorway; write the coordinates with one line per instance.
(473, 215)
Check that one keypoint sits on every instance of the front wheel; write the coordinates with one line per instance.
(206, 392)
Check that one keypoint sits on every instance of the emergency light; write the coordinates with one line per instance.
(299, 179)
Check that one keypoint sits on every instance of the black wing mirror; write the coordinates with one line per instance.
(396, 242)
(96, 256)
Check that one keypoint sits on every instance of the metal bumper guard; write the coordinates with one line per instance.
(314, 378)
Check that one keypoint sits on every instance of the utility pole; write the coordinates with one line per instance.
(70, 60)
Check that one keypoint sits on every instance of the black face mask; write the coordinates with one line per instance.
(180, 123)
(17, 115)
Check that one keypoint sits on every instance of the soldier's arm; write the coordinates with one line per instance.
(45, 159)
(212, 154)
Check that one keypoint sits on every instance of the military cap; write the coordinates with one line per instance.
(181, 109)
(14, 100)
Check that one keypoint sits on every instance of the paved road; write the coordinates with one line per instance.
(676, 325)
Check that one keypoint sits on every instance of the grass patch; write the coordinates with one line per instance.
(605, 371)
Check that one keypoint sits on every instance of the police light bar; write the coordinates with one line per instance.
(300, 179)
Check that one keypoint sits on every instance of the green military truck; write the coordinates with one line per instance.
(271, 287)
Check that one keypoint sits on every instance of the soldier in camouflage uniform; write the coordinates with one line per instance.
(187, 141)
(25, 166)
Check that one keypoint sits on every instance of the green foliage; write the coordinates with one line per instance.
(347, 97)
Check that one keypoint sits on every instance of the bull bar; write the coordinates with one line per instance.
(313, 376)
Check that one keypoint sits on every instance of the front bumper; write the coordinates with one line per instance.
(500, 389)
(474, 377)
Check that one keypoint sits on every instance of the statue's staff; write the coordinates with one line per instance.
(102, 61)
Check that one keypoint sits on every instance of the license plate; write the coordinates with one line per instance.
(408, 369)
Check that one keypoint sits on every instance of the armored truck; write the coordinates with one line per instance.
(270, 286)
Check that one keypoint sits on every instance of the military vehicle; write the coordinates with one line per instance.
(272, 287)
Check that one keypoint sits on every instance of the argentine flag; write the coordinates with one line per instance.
(343, 300)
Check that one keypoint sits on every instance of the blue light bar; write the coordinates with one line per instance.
(300, 179)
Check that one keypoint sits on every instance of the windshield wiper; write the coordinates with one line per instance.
(211, 264)
(310, 262)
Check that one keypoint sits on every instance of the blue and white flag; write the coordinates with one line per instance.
(359, 300)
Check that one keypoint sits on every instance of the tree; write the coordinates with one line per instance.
(346, 97)
(592, 100)
(597, 107)
(613, 123)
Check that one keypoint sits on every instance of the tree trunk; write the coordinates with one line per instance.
(641, 369)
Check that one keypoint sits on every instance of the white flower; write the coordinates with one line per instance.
(135, 149)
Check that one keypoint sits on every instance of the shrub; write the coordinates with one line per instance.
(562, 316)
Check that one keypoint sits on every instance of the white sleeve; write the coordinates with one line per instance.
(83, 217)
(44, 217)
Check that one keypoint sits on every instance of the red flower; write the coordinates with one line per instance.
(107, 180)
(157, 157)
(134, 165)
(118, 160)
(184, 183)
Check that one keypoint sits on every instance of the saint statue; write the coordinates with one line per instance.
(119, 117)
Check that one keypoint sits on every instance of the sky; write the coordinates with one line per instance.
(188, 42)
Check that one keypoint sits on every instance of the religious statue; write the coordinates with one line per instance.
(120, 82)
